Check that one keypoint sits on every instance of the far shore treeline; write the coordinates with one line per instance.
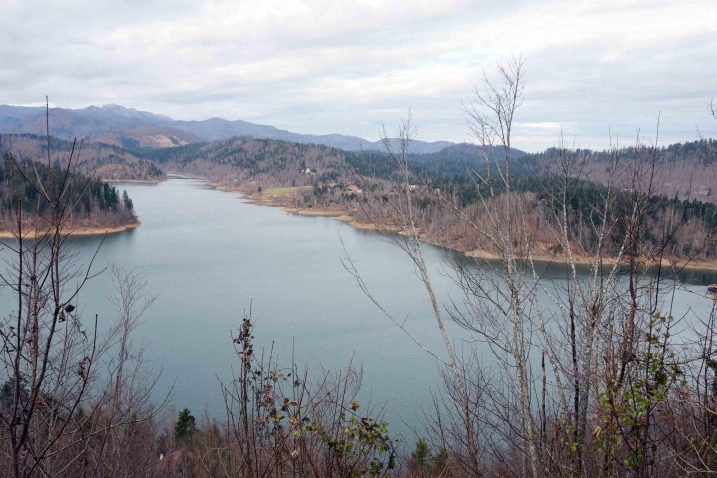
(364, 184)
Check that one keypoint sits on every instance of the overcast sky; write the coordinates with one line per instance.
(593, 68)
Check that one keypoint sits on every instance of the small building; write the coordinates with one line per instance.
(351, 186)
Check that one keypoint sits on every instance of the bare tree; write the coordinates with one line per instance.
(582, 369)
(55, 401)
(404, 214)
(490, 117)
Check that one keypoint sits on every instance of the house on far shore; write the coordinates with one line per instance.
(351, 186)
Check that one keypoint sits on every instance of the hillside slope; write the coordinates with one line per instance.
(105, 161)
(682, 170)
(152, 137)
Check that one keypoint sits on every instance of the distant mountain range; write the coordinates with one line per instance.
(136, 130)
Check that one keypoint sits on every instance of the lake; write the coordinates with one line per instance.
(207, 255)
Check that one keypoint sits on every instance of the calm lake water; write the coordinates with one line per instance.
(207, 255)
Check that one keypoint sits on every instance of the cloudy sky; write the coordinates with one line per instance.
(593, 68)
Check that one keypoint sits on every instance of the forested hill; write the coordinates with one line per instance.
(264, 161)
(282, 163)
(90, 202)
(686, 171)
(104, 161)
(683, 170)
(364, 184)
(462, 158)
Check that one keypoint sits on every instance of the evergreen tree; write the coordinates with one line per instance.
(127, 202)
(186, 425)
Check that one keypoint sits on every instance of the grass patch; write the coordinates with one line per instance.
(285, 191)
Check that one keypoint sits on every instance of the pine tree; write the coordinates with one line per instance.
(186, 425)
(127, 202)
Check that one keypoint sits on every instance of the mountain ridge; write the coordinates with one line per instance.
(110, 123)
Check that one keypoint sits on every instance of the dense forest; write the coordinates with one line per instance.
(583, 199)
(26, 186)
(683, 170)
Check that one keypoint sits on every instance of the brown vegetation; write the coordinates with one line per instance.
(103, 161)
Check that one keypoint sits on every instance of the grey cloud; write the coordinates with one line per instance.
(327, 67)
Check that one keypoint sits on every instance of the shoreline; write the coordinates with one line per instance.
(666, 262)
(87, 231)
(133, 181)
(341, 215)
(542, 257)
(80, 231)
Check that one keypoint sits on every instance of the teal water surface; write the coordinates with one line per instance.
(207, 255)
